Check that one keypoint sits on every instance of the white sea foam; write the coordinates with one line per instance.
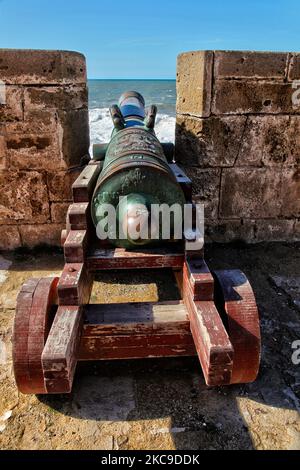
(101, 126)
(165, 128)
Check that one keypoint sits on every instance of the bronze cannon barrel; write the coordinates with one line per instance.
(134, 166)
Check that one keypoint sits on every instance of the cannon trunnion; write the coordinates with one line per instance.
(56, 326)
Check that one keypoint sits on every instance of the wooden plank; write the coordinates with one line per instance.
(59, 357)
(137, 340)
(75, 285)
(75, 246)
(136, 318)
(79, 216)
(119, 258)
(84, 186)
(136, 330)
(198, 279)
(95, 350)
(212, 343)
(183, 180)
(213, 346)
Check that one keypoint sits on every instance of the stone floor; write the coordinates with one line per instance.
(163, 404)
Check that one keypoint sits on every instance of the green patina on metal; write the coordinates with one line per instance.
(134, 166)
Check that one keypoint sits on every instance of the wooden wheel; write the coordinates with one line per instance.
(236, 303)
(34, 315)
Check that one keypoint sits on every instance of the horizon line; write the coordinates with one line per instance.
(136, 79)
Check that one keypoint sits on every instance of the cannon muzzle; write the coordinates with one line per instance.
(131, 103)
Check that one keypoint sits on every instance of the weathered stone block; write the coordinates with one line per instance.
(44, 127)
(58, 97)
(12, 110)
(59, 211)
(249, 230)
(290, 285)
(206, 185)
(46, 234)
(35, 122)
(23, 197)
(250, 64)
(74, 135)
(250, 193)
(36, 67)
(194, 78)
(244, 97)
(34, 151)
(270, 141)
(225, 231)
(290, 192)
(58, 140)
(60, 185)
(9, 237)
(213, 141)
(276, 230)
(296, 233)
(294, 68)
(249, 134)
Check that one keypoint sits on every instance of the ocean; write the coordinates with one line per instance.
(104, 93)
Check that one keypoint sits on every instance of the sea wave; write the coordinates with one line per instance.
(101, 126)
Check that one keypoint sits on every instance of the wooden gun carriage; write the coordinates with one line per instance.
(56, 326)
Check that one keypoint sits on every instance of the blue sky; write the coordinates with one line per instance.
(141, 39)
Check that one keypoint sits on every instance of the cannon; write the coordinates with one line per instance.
(136, 168)
(55, 324)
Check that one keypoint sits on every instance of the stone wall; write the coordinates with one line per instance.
(238, 138)
(44, 134)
